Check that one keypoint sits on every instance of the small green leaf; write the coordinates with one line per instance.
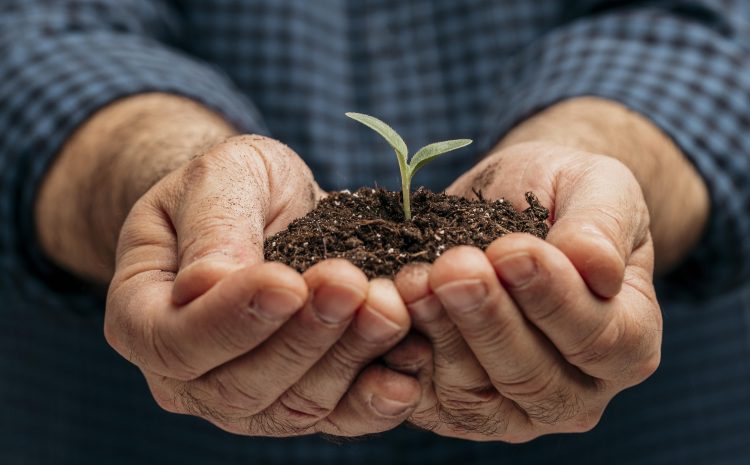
(384, 130)
(429, 152)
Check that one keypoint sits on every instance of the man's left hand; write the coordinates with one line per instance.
(532, 337)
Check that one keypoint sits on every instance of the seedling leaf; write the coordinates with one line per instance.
(384, 130)
(429, 152)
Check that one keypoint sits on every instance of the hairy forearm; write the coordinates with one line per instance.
(114, 158)
(676, 195)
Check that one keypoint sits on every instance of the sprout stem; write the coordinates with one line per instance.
(406, 194)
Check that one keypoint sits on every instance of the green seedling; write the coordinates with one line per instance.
(408, 168)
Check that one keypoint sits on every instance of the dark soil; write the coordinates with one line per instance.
(367, 228)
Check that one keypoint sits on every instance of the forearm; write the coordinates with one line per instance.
(106, 166)
(675, 193)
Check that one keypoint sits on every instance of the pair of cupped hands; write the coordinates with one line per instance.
(526, 338)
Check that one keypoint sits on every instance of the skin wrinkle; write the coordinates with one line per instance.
(426, 420)
(304, 407)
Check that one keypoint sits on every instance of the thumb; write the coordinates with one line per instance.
(219, 216)
(600, 218)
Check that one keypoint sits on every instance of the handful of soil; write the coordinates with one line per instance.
(367, 228)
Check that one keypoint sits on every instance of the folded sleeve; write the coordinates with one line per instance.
(685, 65)
(61, 61)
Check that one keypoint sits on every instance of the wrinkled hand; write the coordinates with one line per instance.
(533, 337)
(255, 348)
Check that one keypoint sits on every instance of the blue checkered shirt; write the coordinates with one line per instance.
(435, 69)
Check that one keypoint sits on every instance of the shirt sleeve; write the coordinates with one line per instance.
(685, 65)
(60, 61)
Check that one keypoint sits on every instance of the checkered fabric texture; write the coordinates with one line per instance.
(434, 69)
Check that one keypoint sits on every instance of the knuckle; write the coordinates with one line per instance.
(375, 343)
(232, 395)
(550, 306)
(450, 343)
(124, 334)
(163, 399)
(302, 407)
(197, 402)
(541, 397)
(167, 405)
(613, 224)
(271, 152)
(492, 329)
(459, 402)
(600, 347)
(268, 424)
(199, 165)
(558, 407)
(232, 158)
(230, 336)
(528, 384)
(345, 358)
(469, 420)
(646, 368)
(212, 223)
(469, 412)
(167, 358)
(648, 339)
(427, 419)
(585, 422)
(295, 351)
(116, 335)
(521, 437)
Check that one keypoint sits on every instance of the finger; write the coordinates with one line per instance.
(218, 227)
(457, 372)
(600, 337)
(183, 343)
(600, 217)
(460, 400)
(519, 360)
(226, 201)
(413, 356)
(378, 325)
(379, 400)
(252, 382)
(461, 416)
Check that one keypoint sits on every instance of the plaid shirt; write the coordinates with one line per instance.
(434, 69)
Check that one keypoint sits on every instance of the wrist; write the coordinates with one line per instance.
(105, 167)
(676, 196)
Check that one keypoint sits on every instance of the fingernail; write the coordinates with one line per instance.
(336, 304)
(374, 327)
(276, 303)
(462, 296)
(516, 270)
(389, 407)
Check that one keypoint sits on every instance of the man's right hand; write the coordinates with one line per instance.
(255, 348)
